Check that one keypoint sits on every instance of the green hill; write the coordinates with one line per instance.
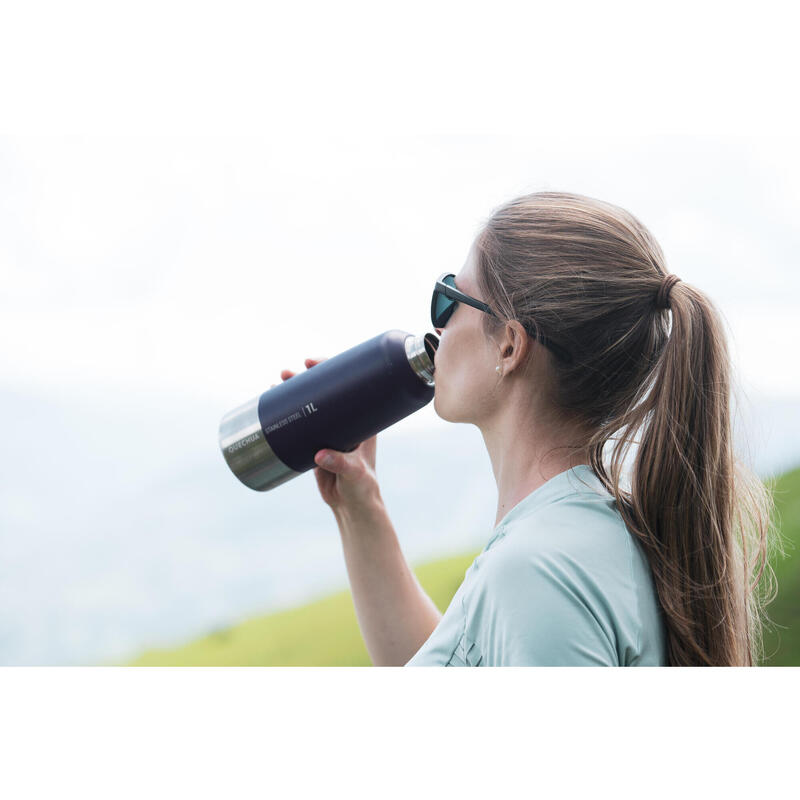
(322, 633)
(325, 632)
(782, 640)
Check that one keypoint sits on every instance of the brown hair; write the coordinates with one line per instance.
(585, 274)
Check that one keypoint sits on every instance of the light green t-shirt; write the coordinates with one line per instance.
(562, 582)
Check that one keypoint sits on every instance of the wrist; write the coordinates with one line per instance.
(365, 511)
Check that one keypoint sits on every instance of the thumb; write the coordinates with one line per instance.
(333, 461)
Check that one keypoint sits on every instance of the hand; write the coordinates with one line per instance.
(349, 480)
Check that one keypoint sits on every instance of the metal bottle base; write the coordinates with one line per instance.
(248, 453)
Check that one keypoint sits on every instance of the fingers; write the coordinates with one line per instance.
(287, 373)
(309, 362)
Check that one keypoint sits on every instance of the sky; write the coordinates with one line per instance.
(205, 265)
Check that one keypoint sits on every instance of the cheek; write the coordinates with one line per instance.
(454, 359)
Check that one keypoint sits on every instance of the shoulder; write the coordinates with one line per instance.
(556, 588)
(580, 536)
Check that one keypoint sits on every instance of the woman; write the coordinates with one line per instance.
(556, 342)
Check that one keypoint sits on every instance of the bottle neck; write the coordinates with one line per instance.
(420, 351)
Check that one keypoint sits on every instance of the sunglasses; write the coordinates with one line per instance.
(446, 297)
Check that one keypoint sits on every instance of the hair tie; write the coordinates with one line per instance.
(662, 298)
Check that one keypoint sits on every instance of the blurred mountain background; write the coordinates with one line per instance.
(325, 632)
(153, 283)
(147, 540)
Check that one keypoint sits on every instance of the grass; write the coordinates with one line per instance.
(322, 633)
(325, 632)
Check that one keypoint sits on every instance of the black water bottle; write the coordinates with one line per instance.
(335, 405)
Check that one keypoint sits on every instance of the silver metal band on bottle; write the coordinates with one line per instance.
(248, 453)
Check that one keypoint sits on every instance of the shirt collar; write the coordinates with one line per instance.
(579, 479)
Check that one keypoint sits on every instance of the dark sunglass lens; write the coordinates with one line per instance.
(441, 319)
(443, 306)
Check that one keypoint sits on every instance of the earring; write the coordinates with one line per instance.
(497, 369)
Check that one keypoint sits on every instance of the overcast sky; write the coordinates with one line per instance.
(207, 265)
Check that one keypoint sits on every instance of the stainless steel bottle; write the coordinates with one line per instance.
(336, 404)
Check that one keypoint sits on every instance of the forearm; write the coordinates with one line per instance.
(394, 613)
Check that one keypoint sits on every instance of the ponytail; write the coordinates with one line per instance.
(685, 478)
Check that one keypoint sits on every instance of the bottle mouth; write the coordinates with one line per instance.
(421, 352)
(431, 342)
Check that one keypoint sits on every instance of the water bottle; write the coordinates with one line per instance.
(336, 404)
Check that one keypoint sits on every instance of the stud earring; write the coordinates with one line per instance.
(497, 369)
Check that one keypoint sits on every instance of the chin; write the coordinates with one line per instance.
(437, 406)
(441, 409)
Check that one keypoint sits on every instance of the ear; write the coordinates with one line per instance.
(515, 347)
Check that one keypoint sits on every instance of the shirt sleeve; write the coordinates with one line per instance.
(541, 609)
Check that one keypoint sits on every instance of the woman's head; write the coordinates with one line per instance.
(585, 275)
(474, 370)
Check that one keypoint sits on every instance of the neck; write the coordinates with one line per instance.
(525, 456)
